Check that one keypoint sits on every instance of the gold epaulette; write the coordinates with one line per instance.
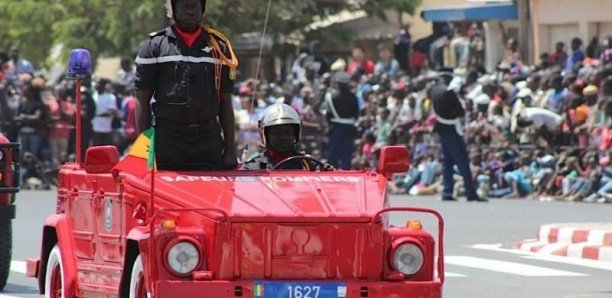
(231, 62)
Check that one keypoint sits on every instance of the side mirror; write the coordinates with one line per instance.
(392, 160)
(101, 160)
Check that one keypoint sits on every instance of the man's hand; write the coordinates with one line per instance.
(229, 161)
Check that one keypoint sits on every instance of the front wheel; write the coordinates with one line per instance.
(54, 277)
(137, 280)
(6, 242)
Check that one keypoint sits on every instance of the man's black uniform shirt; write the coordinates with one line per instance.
(446, 104)
(182, 78)
(345, 104)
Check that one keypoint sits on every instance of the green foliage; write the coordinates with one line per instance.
(116, 27)
(105, 27)
(378, 7)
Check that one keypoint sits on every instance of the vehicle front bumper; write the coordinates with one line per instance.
(227, 289)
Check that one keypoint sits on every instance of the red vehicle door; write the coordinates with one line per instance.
(109, 219)
(81, 211)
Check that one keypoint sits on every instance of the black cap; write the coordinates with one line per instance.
(173, 3)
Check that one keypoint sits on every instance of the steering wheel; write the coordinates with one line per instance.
(311, 161)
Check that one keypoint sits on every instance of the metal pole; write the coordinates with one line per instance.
(79, 126)
(524, 30)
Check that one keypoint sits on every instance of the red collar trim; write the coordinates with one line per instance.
(276, 157)
(189, 38)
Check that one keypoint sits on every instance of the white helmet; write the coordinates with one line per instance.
(279, 114)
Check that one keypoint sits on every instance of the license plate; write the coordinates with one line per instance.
(271, 289)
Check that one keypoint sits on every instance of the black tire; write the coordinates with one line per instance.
(6, 243)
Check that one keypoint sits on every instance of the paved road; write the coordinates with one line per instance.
(480, 239)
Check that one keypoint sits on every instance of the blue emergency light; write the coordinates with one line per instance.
(79, 66)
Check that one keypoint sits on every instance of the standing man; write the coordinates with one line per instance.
(402, 49)
(342, 113)
(18, 69)
(18, 64)
(448, 110)
(576, 56)
(190, 70)
(127, 74)
(106, 110)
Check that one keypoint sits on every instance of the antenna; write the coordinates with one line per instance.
(256, 83)
(79, 68)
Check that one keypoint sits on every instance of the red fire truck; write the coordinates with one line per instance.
(121, 231)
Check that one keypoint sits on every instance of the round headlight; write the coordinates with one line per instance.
(408, 258)
(183, 257)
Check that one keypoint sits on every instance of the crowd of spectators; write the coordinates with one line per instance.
(541, 131)
(41, 116)
(534, 131)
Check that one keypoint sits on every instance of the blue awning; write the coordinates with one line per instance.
(486, 12)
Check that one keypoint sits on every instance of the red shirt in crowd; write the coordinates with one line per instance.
(367, 66)
(60, 129)
(130, 118)
(558, 57)
(418, 60)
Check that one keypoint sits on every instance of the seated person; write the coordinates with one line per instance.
(279, 130)
(547, 124)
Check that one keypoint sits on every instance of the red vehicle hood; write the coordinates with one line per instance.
(264, 196)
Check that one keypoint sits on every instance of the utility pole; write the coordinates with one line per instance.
(525, 41)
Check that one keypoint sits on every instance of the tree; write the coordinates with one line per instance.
(378, 7)
(18, 28)
(105, 27)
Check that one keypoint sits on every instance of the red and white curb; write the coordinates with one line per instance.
(587, 241)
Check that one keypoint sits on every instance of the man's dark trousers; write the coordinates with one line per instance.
(341, 145)
(454, 153)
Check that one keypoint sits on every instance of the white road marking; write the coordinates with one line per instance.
(7, 296)
(451, 274)
(573, 261)
(18, 266)
(498, 247)
(548, 258)
(506, 267)
(529, 246)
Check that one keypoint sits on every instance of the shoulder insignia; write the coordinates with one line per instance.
(157, 33)
(217, 40)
